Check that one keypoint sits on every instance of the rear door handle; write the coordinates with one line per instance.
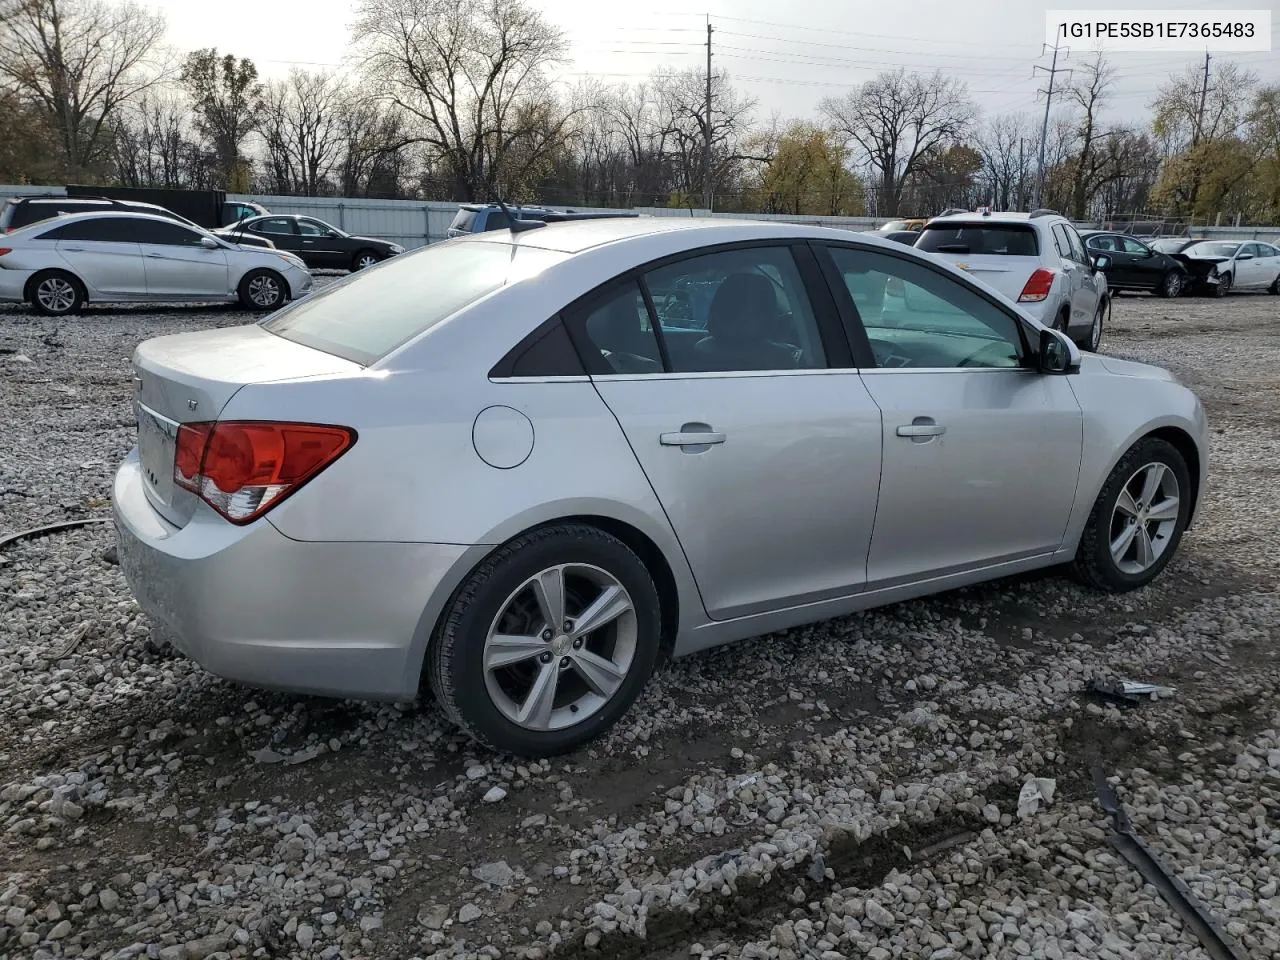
(74, 249)
(682, 439)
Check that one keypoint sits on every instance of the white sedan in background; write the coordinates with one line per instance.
(60, 264)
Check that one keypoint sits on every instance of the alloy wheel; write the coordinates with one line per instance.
(560, 647)
(1173, 285)
(264, 291)
(56, 295)
(368, 260)
(1145, 518)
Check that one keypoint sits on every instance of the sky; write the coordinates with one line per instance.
(787, 56)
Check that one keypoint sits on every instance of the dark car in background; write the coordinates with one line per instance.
(320, 245)
(905, 237)
(21, 212)
(482, 217)
(1171, 245)
(1135, 266)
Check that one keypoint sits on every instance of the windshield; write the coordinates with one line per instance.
(463, 220)
(993, 239)
(371, 313)
(1212, 248)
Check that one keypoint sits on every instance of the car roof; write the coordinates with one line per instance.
(998, 218)
(98, 215)
(575, 236)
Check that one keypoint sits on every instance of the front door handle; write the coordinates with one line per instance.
(921, 427)
(683, 439)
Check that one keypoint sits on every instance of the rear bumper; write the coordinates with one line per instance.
(251, 605)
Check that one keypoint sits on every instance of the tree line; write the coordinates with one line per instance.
(462, 100)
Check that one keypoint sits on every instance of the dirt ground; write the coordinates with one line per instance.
(150, 809)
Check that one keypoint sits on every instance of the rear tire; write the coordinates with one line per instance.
(1093, 339)
(263, 290)
(490, 688)
(1171, 286)
(1062, 321)
(1105, 559)
(55, 293)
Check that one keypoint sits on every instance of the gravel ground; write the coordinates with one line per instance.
(848, 789)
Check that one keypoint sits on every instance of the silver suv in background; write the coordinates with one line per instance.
(1037, 259)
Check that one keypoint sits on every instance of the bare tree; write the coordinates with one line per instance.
(897, 119)
(154, 147)
(681, 100)
(473, 76)
(1092, 165)
(227, 101)
(374, 160)
(81, 61)
(1007, 145)
(302, 124)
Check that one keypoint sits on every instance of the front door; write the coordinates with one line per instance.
(321, 245)
(981, 454)
(1141, 264)
(179, 265)
(1249, 272)
(765, 458)
(104, 253)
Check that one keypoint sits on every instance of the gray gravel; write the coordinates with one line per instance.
(848, 789)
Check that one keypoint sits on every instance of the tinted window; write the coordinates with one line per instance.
(274, 225)
(313, 228)
(918, 318)
(496, 220)
(463, 220)
(1075, 245)
(167, 234)
(105, 229)
(748, 308)
(367, 316)
(618, 326)
(35, 211)
(1134, 247)
(1009, 240)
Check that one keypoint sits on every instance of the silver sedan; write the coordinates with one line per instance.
(518, 468)
(59, 264)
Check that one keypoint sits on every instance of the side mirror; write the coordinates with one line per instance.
(1101, 262)
(1057, 353)
(209, 243)
(1245, 256)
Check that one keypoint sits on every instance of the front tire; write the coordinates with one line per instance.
(263, 290)
(55, 293)
(1171, 286)
(1274, 289)
(547, 642)
(1138, 519)
(1224, 286)
(363, 260)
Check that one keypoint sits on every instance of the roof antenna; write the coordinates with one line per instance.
(518, 226)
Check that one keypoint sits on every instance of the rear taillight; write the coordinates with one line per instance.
(243, 468)
(4, 250)
(1037, 286)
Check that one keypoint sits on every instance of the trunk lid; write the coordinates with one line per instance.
(190, 377)
(1006, 274)
(1001, 254)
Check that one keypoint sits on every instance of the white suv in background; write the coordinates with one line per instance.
(1036, 259)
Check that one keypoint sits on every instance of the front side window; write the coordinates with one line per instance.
(314, 228)
(735, 311)
(1103, 243)
(918, 318)
(373, 312)
(166, 234)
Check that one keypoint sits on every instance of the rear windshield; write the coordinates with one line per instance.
(463, 220)
(371, 313)
(992, 239)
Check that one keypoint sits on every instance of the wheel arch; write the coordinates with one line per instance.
(1182, 441)
(29, 288)
(640, 543)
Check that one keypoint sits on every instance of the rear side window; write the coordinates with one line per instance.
(365, 317)
(102, 229)
(463, 220)
(167, 234)
(990, 239)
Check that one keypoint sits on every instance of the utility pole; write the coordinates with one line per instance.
(707, 195)
(1053, 72)
(1198, 132)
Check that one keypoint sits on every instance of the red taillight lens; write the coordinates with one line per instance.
(243, 468)
(1037, 286)
(4, 250)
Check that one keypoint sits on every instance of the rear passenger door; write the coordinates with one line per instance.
(104, 253)
(729, 375)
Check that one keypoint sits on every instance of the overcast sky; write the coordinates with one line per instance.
(787, 55)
